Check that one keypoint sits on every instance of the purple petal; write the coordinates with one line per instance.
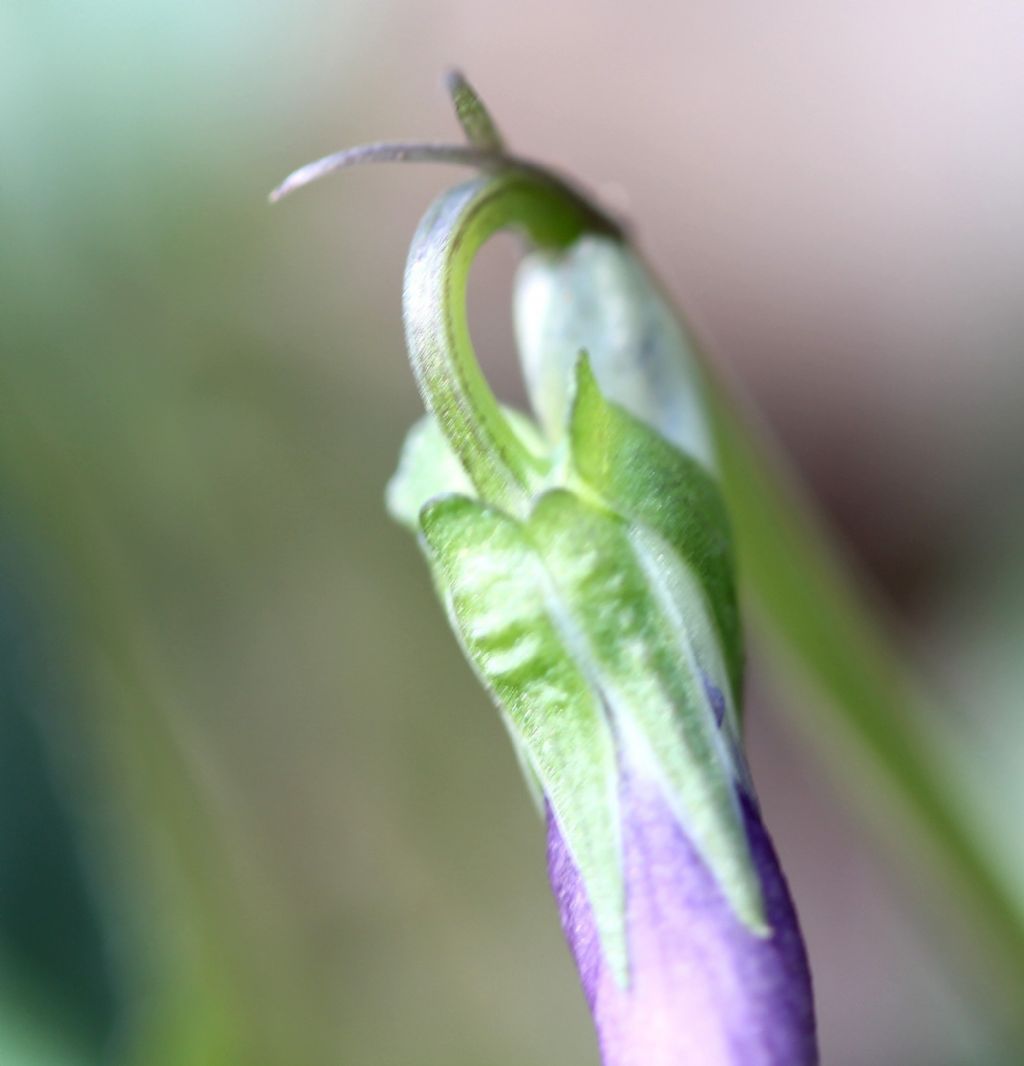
(703, 989)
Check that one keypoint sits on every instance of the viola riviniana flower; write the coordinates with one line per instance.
(585, 563)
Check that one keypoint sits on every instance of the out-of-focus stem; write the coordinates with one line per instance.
(802, 588)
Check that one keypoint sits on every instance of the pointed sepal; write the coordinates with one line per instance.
(511, 628)
(654, 485)
(638, 654)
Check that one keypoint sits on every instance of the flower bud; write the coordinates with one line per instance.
(585, 563)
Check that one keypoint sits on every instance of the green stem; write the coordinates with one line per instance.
(504, 471)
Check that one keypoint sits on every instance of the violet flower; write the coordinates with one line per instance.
(703, 989)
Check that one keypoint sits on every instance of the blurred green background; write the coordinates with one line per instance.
(253, 807)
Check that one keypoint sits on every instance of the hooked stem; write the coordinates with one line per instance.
(511, 193)
(551, 215)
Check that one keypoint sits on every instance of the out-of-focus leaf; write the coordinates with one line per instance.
(50, 929)
(33, 1035)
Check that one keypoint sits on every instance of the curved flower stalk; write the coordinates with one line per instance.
(585, 563)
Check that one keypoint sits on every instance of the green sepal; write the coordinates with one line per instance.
(644, 478)
(429, 467)
(637, 650)
(500, 603)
